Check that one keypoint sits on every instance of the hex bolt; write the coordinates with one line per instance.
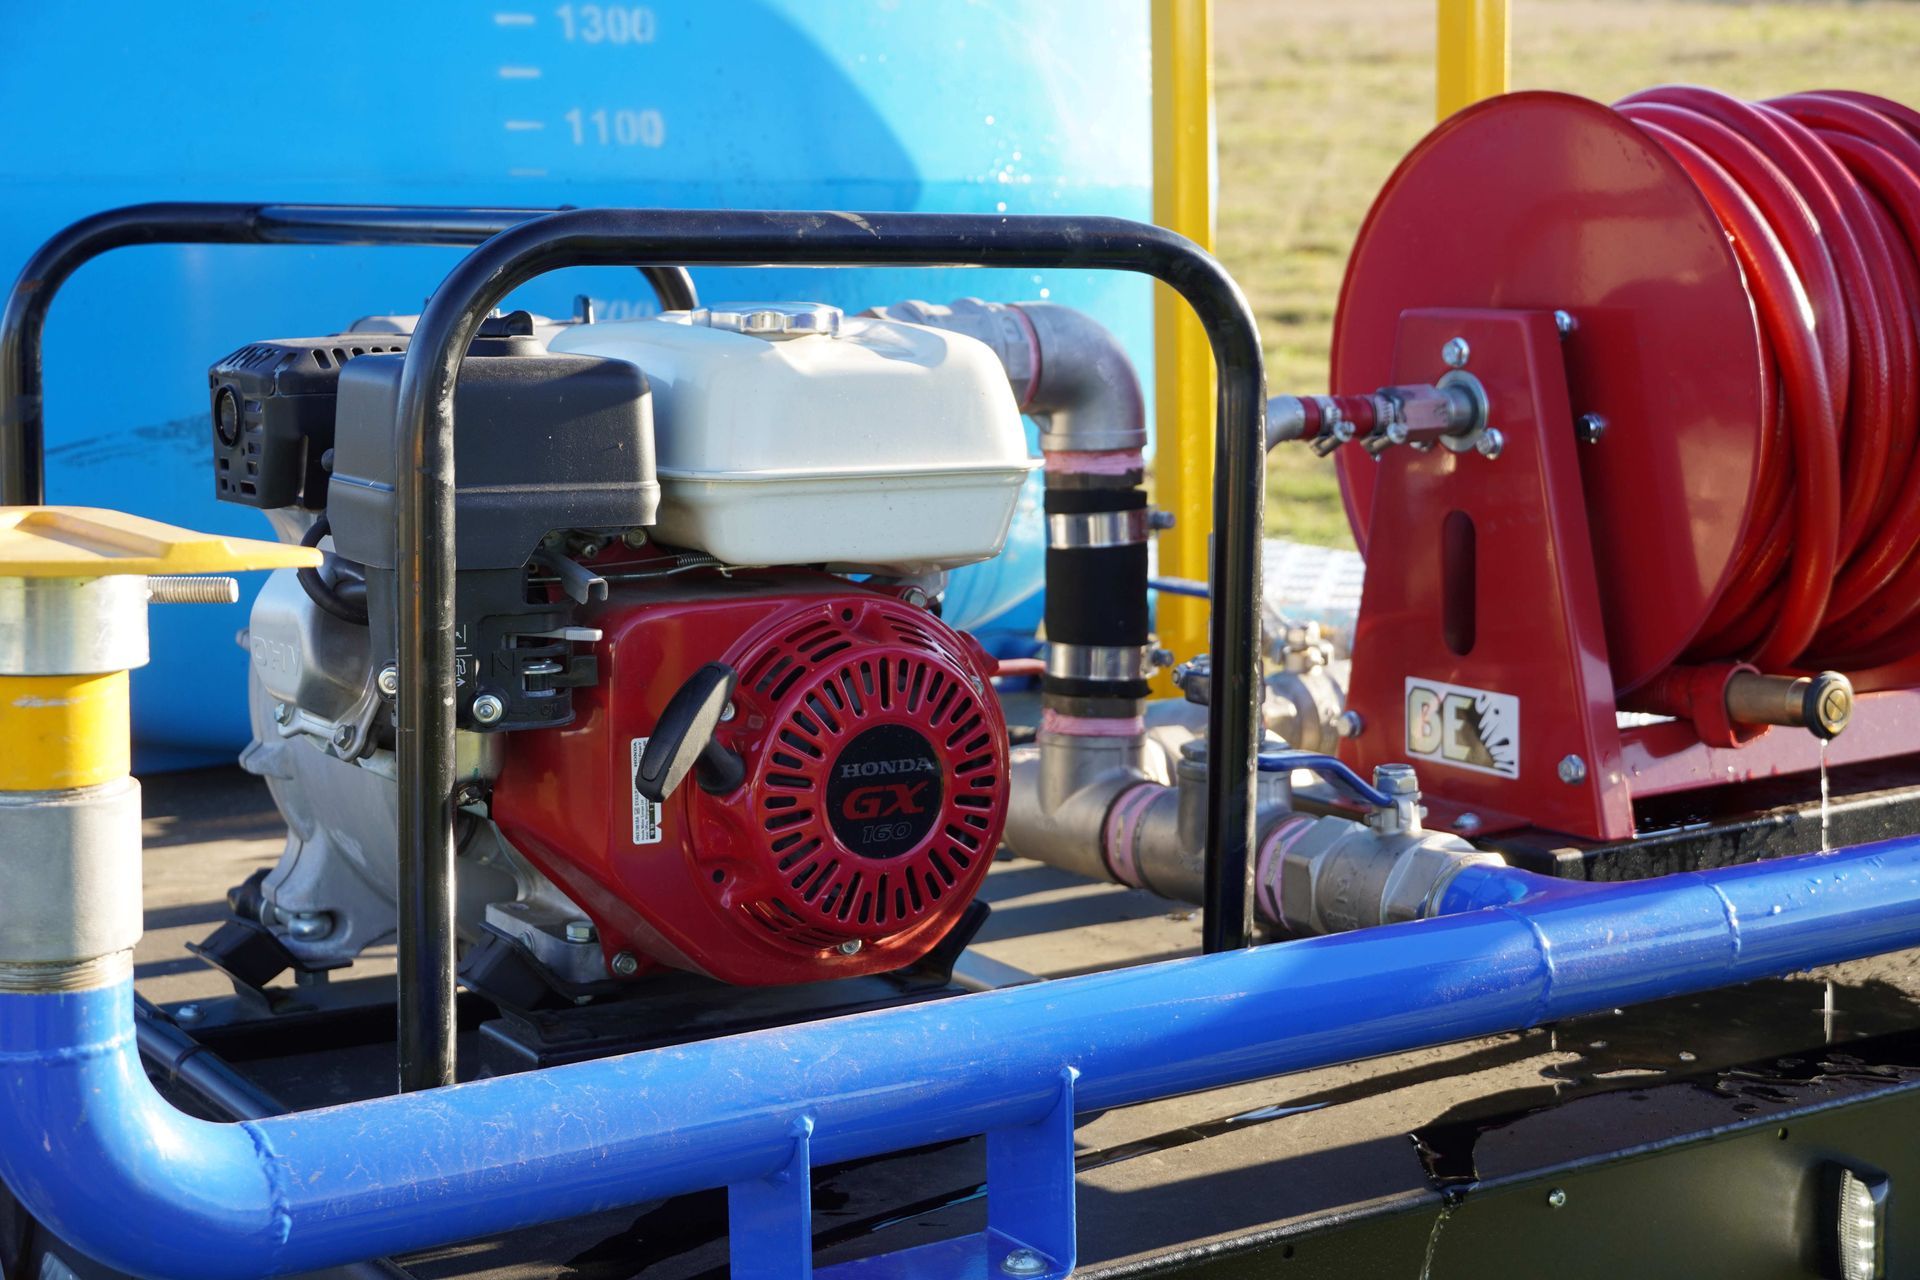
(188, 1013)
(1160, 659)
(488, 708)
(626, 964)
(1564, 322)
(1455, 353)
(1589, 428)
(1158, 519)
(1024, 1262)
(1396, 779)
(388, 681)
(1556, 1198)
(1573, 770)
(343, 736)
(1490, 443)
(183, 589)
(282, 713)
(1351, 724)
(579, 931)
(1467, 823)
(851, 947)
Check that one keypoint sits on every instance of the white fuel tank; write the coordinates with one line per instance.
(788, 434)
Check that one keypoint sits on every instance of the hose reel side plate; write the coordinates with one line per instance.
(1548, 201)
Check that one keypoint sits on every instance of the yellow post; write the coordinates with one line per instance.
(1471, 53)
(74, 586)
(75, 583)
(1183, 185)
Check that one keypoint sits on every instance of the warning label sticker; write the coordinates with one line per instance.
(646, 813)
(1466, 728)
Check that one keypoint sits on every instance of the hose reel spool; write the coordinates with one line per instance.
(1738, 297)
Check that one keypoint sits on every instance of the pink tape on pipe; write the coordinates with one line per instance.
(1266, 874)
(1122, 821)
(1110, 462)
(1052, 721)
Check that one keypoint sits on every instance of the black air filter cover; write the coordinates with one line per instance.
(273, 406)
(541, 442)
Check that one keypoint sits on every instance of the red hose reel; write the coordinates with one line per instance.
(1716, 467)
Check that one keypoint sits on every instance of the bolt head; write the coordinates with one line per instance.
(1396, 779)
(188, 1013)
(1590, 427)
(282, 713)
(488, 709)
(1490, 443)
(1573, 770)
(1158, 519)
(851, 947)
(1564, 322)
(1828, 705)
(579, 931)
(1160, 659)
(388, 680)
(1024, 1262)
(634, 537)
(1836, 707)
(1455, 353)
(626, 964)
(1351, 724)
(343, 736)
(1467, 823)
(1556, 1198)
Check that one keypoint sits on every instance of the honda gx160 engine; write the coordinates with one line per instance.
(709, 716)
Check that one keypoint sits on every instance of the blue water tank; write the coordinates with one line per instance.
(1022, 106)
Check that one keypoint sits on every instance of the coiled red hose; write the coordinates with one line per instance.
(1819, 194)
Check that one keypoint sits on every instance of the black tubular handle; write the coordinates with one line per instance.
(602, 237)
(22, 418)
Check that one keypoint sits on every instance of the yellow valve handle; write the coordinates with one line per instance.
(90, 542)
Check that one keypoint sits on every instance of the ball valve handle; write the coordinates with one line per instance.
(683, 742)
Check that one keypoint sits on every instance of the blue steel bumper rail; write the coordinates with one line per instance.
(91, 1149)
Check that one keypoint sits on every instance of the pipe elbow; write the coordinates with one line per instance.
(91, 1149)
(1085, 385)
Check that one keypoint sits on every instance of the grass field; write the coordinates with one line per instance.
(1317, 100)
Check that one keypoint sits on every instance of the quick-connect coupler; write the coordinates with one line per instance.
(74, 588)
(1451, 412)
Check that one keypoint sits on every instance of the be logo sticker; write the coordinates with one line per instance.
(1467, 728)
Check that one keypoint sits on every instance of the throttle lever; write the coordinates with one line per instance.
(683, 741)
